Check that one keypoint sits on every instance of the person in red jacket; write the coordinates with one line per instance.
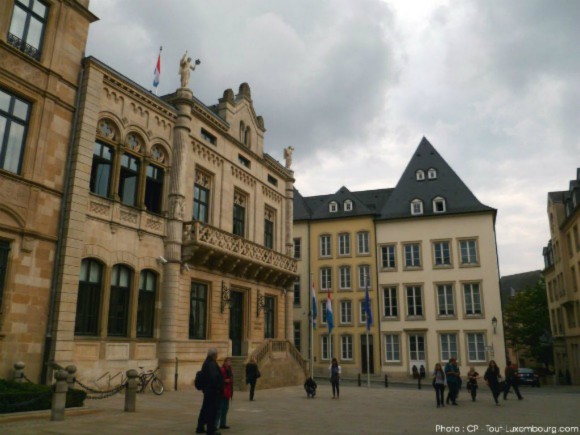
(228, 393)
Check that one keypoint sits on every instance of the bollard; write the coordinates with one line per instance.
(419, 382)
(19, 371)
(359, 383)
(131, 393)
(70, 379)
(59, 396)
(386, 381)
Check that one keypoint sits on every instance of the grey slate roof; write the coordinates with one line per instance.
(518, 282)
(458, 197)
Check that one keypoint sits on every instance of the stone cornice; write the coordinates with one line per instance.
(74, 4)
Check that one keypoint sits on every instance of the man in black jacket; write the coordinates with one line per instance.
(511, 381)
(212, 389)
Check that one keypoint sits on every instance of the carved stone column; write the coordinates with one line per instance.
(289, 221)
(290, 314)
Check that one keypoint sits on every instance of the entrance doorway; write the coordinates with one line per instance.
(363, 356)
(236, 321)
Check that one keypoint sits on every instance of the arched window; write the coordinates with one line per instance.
(439, 205)
(242, 131)
(121, 278)
(146, 304)
(348, 205)
(154, 177)
(333, 207)
(432, 173)
(89, 297)
(103, 153)
(420, 175)
(416, 207)
(248, 137)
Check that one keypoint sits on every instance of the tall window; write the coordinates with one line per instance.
(348, 205)
(297, 248)
(326, 347)
(325, 246)
(344, 244)
(442, 253)
(269, 228)
(27, 27)
(269, 316)
(4, 250)
(119, 300)
(346, 347)
(468, 249)
(472, 299)
(14, 114)
(89, 297)
(101, 170)
(390, 302)
(129, 179)
(198, 311)
(239, 214)
(412, 255)
(476, 347)
(325, 278)
(417, 347)
(323, 312)
(345, 311)
(362, 311)
(448, 346)
(154, 188)
(333, 207)
(146, 305)
(364, 276)
(388, 257)
(445, 300)
(297, 292)
(392, 348)
(363, 242)
(414, 301)
(201, 190)
(297, 336)
(439, 205)
(344, 277)
(416, 207)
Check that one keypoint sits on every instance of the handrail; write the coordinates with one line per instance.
(270, 346)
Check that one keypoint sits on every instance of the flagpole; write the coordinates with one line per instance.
(368, 352)
(311, 327)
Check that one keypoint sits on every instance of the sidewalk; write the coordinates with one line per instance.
(287, 411)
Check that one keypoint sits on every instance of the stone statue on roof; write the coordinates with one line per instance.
(184, 68)
(288, 156)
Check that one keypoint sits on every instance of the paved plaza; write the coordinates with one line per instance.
(396, 410)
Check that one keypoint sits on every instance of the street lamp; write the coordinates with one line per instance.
(494, 324)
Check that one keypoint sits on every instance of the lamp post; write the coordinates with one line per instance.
(494, 324)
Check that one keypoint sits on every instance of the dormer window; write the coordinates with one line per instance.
(420, 174)
(439, 205)
(432, 174)
(416, 207)
(333, 207)
(348, 205)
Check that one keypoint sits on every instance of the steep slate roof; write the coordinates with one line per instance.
(458, 197)
(518, 282)
(364, 203)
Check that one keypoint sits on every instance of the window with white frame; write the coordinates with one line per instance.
(476, 347)
(344, 277)
(468, 250)
(345, 311)
(326, 347)
(344, 244)
(363, 242)
(392, 348)
(297, 248)
(442, 253)
(348, 205)
(417, 347)
(297, 336)
(333, 207)
(420, 175)
(472, 296)
(346, 347)
(390, 302)
(439, 205)
(432, 174)
(323, 312)
(414, 301)
(325, 246)
(363, 313)
(388, 257)
(297, 292)
(412, 254)
(364, 276)
(416, 207)
(325, 278)
(448, 346)
(445, 300)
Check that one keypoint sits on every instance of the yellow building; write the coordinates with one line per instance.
(562, 275)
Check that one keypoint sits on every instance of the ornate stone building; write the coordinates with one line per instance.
(562, 275)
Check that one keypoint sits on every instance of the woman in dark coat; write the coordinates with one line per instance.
(492, 378)
(252, 375)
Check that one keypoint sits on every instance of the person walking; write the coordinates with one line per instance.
(452, 375)
(472, 377)
(310, 387)
(335, 378)
(228, 394)
(492, 377)
(252, 375)
(212, 389)
(511, 380)
(439, 385)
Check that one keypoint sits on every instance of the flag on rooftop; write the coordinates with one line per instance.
(157, 72)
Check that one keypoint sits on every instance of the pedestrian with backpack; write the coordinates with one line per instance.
(212, 382)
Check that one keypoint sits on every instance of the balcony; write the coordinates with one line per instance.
(210, 248)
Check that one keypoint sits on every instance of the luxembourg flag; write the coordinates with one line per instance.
(329, 318)
(157, 71)
(314, 306)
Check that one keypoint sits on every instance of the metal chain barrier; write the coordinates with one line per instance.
(93, 394)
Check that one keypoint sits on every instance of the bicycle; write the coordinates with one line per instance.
(150, 378)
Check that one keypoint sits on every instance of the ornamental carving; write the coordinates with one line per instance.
(134, 142)
(240, 199)
(176, 208)
(99, 208)
(202, 179)
(106, 129)
(128, 216)
(271, 194)
(158, 154)
(269, 214)
(153, 224)
(206, 154)
(243, 176)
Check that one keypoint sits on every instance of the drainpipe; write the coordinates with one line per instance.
(59, 243)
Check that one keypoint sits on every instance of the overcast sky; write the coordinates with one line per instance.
(353, 86)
